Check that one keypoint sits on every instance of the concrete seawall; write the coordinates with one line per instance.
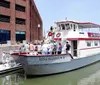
(8, 48)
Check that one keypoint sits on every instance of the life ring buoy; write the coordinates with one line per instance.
(50, 34)
(58, 34)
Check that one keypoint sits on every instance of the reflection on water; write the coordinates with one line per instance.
(12, 79)
(89, 75)
(93, 79)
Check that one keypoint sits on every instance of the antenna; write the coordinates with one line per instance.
(66, 18)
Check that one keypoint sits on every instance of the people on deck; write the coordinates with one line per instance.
(36, 48)
(22, 48)
(26, 46)
(54, 50)
(63, 48)
(40, 49)
(46, 48)
(59, 48)
(31, 47)
(50, 48)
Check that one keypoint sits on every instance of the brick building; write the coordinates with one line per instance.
(19, 20)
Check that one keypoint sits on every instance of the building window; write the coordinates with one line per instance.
(4, 3)
(20, 36)
(4, 36)
(20, 21)
(20, 8)
(4, 18)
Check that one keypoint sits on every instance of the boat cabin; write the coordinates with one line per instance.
(84, 37)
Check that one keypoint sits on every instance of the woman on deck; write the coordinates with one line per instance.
(59, 48)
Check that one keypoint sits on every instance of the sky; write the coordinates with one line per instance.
(52, 11)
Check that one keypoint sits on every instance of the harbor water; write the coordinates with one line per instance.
(89, 75)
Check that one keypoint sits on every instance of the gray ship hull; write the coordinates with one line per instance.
(45, 65)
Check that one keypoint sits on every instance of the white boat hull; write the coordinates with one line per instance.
(32, 67)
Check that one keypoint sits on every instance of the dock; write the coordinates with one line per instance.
(4, 68)
(7, 63)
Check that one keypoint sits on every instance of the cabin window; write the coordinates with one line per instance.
(95, 43)
(71, 26)
(67, 26)
(74, 27)
(88, 43)
(59, 27)
(63, 27)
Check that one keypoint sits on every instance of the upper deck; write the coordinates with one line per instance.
(77, 26)
(74, 30)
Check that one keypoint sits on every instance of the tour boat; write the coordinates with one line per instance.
(84, 38)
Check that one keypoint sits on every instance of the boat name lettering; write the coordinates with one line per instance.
(51, 58)
(94, 34)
